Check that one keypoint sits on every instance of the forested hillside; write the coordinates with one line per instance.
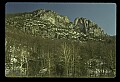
(43, 43)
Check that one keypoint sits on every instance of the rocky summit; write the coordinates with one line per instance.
(49, 24)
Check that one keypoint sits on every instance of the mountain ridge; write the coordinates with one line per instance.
(45, 44)
(49, 24)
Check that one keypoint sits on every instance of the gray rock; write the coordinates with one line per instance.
(49, 24)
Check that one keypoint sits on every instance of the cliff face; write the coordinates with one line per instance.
(48, 24)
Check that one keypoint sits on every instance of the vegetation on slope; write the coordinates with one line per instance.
(60, 58)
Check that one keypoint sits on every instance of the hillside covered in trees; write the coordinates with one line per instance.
(43, 43)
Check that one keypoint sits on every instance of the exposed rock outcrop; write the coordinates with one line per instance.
(49, 24)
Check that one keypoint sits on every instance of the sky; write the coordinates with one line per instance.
(103, 14)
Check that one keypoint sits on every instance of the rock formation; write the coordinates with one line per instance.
(49, 24)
